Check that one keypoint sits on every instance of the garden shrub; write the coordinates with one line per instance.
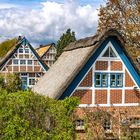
(25, 115)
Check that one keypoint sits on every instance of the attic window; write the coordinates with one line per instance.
(109, 53)
(26, 50)
(20, 50)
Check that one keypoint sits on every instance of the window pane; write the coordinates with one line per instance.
(79, 122)
(15, 61)
(112, 54)
(107, 125)
(26, 50)
(119, 80)
(98, 80)
(31, 81)
(22, 62)
(112, 80)
(104, 80)
(106, 54)
(20, 50)
(30, 62)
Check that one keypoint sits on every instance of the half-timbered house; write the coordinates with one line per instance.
(47, 53)
(101, 72)
(23, 59)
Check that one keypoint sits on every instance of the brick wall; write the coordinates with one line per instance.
(22, 68)
(30, 68)
(128, 81)
(9, 68)
(15, 68)
(37, 68)
(101, 65)
(87, 82)
(100, 96)
(115, 96)
(115, 65)
(132, 96)
(84, 95)
(35, 62)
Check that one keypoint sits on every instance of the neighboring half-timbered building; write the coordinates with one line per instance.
(23, 59)
(102, 73)
(47, 53)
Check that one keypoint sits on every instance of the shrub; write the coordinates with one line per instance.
(25, 115)
(11, 82)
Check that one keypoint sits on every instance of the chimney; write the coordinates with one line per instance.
(19, 38)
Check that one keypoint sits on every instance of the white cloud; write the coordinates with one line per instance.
(49, 22)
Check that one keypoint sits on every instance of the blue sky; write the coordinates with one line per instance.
(36, 2)
(44, 21)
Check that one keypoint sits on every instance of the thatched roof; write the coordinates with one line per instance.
(68, 65)
(6, 46)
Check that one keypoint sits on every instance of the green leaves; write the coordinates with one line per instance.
(25, 115)
(64, 40)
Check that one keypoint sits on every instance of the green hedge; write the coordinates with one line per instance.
(28, 116)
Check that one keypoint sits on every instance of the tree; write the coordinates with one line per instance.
(123, 15)
(64, 40)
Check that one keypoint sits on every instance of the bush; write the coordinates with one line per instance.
(25, 115)
(2, 83)
(11, 82)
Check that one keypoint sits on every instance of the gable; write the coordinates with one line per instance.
(23, 58)
(119, 49)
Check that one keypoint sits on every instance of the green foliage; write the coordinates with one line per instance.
(6, 46)
(11, 82)
(2, 81)
(25, 115)
(64, 40)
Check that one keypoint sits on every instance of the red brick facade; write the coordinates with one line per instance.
(128, 81)
(84, 95)
(115, 96)
(101, 65)
(100, 96)
(87, 81)
(116, 66)
(132, 96)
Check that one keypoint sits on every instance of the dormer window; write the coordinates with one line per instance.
(109, 53)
